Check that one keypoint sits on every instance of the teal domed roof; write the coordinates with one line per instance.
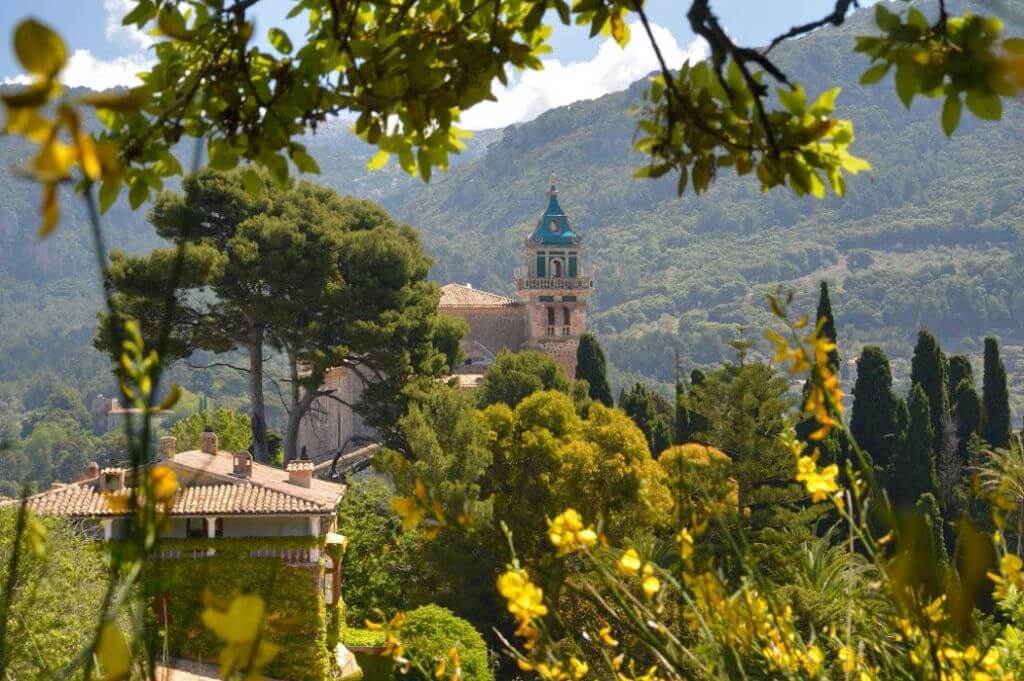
(553, 228)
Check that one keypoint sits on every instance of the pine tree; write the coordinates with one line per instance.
(928, 370)
(592, 368)
(874, 421)
(913, 470)
(966, 405)
(828, 324)
(995, 397)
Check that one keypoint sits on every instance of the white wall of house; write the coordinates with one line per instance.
(266, 527)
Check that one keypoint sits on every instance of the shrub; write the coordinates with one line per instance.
(429, 633)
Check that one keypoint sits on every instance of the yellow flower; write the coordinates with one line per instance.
(848, 659)
(409, 510)
(629, 564)
(818, 483)
(525, 600)
(579, 668)
(685, 540)
(650, 583)
(456, 666)
(568, 534)
(241, 629)
(164, 483)
(606, 637)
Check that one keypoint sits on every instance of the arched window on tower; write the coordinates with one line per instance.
(551, 321)
(566, 321)
(556, 268)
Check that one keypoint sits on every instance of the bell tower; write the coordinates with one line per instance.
(554, 285)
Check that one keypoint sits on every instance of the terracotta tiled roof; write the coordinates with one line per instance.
(457, 295)
(208, 487)
(241, 498)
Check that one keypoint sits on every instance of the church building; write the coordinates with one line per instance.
(548, 314)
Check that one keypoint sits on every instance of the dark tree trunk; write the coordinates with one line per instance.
(258, 410)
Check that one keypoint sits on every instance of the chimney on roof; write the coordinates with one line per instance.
(168, 447)
(300, 473)
(111, 479)
(92, 471)
(242, 464)
(208, 442)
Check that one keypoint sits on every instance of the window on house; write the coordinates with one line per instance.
(551, 321)
(556, 268)
(197, 528)
(566, 321)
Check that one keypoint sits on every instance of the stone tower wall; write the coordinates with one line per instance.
(491, 329)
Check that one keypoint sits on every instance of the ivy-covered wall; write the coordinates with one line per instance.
(291, 593)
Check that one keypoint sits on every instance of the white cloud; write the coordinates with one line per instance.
(115, 31)
(611, 69)
(85, 70)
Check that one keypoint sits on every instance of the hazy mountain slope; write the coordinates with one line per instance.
(932, 237)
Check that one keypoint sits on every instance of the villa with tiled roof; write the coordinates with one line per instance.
(221, 494)
(548, 314)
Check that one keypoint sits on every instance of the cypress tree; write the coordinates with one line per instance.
(689, 422)
(928, 370)
(957, 369)
(928, 506)
(652, 415)
(592, 367)
(874, 422)
(828, 322)
(995, 398)
(913, 470)
(967, 411)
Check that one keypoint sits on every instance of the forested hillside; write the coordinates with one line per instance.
(933, 237)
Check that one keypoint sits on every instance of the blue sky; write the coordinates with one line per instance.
(106, 54)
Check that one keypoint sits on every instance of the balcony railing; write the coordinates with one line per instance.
(555, 283)
(289, 556)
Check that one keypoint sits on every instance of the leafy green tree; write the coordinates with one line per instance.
(651, 413)
(928, 507)
(321, 278)
(874, 422)
(928, 370)
(381, 564)
(516, 375)
(234, 433)
(547, 459)
(995, 397)
(913, 470)
(590, 367)
(57, 590)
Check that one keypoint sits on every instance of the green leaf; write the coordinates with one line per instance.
(681, 185)
(916, 18)
(280, 40)
(826, 101)
(379, 160)
(138, 193)
(173, 395)
(303, 161)
(143, 12)
(171, 23)
(251, 182)
(875, 73)
(109, 191)
(885, 19)
(986, 106)
(951, 109)
(39, 49)
(907, 79)
(795, 99)
(223, 155)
